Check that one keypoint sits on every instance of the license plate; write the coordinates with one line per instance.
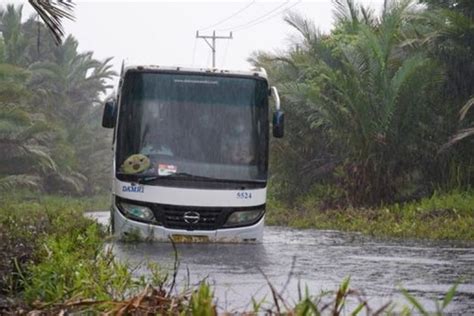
(189, 239)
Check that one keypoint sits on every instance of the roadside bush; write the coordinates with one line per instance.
(441, 216)
(322, 197)
(77, 266)
(26, 220)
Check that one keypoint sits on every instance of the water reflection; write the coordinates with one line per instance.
(320, 260)
(233, 257)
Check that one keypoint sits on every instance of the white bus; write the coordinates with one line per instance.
(191, 153)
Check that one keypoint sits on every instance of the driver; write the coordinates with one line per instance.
(158, 137)
(237, 144)
(239, 152)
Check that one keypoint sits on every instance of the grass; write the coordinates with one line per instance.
(54, 261)
(76, 266)
(447, 216)
(25, 221)
(52, 255)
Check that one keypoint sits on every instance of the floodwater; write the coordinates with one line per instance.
(319, 260)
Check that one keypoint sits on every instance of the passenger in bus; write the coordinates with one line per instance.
(159, 137)
(238, 144)
(239, 152)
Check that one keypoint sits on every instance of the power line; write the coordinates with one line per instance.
(229, 17)
(212, 44)
(268, 18)
(265, 17)
(257, 19)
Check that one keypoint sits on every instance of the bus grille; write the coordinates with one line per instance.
(185, 218)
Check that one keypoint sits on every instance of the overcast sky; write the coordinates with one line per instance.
(164, 32)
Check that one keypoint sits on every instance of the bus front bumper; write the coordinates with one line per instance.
(125, 228)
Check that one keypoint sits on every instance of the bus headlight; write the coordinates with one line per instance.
(137, 211)
(241, 218)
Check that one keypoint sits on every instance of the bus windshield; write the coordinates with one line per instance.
(210, 126)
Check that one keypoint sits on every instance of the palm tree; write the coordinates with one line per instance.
(24, 154)
(376, 103)
(365, 93)
(51, 12)
(14, 41)
(451, 43)
(72, 82)
(22, 43)
(68, 88)
(59, 86)
(12, 88)
(306, 155)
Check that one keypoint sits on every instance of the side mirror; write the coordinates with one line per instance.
(109, 116)
(278, 124)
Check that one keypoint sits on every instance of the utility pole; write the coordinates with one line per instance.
(213, 44)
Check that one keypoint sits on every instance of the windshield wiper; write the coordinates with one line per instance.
(145, 179)
(137, 178)
(173, 176)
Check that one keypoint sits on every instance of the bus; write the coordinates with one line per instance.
(190, 153)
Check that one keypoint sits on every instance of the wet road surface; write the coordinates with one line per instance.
(319, 260)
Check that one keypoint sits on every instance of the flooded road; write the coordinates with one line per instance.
(320, 260)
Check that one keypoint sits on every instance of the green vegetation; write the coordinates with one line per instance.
(55, 261)
(379, 134)
(26, 220)
(50, 132)
(53, 258)
(441, 216)
(379, 107)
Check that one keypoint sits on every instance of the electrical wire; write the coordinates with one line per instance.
(257, 19)
(229, 17)
(267, 18)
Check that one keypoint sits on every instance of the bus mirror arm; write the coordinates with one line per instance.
(278, 116)
(276, 97)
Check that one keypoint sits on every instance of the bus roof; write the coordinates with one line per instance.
(259, 72)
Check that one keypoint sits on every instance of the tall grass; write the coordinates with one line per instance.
(440, 216)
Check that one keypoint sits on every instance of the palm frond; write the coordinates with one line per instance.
(33, 131)
(304, 26)
(12, 151)
(43, 160)
(20, 181)
(346, 11)
(15, 116)
(465, 109)
(368, 15)
(460, 135)
(463, 133)
(52, 14)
